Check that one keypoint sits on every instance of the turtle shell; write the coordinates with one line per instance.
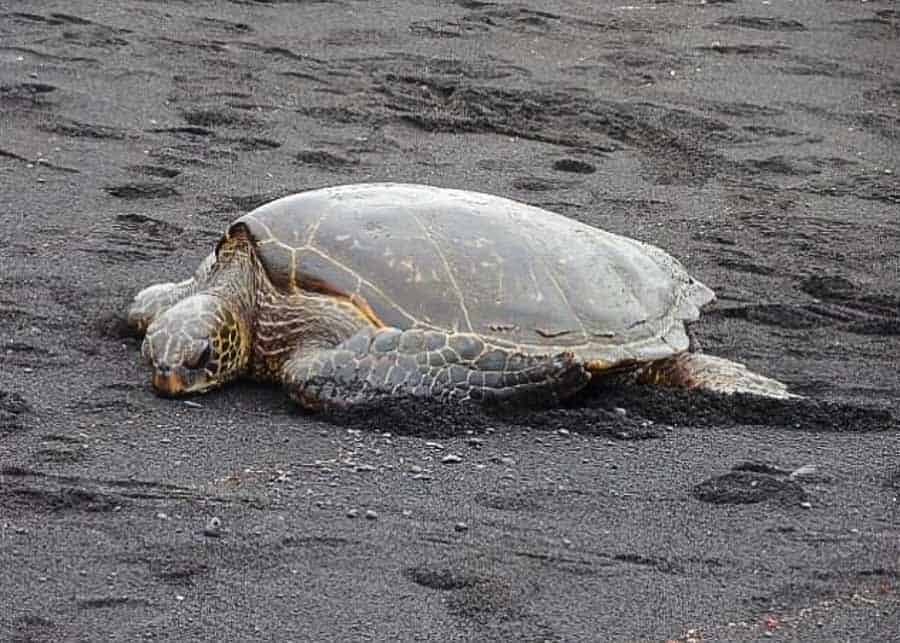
(516, 275)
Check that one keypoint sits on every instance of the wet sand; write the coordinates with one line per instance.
(757, 142)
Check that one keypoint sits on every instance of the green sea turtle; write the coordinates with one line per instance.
(357, 292)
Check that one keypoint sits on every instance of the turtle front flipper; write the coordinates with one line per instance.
(698, 370)
(379, 363)
(155, 299)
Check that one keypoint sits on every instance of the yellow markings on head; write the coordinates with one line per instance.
(292, 279)
(597, 365)
(230, 347)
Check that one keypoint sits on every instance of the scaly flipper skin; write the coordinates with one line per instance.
(702, 371)
(156, 299)
(388, 362)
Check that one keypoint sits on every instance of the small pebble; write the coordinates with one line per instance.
(364, 467)
(804, 471)
(806, 505)
(460, 526)
(620, 411)
(563, 431)
(434, 445)
(451, 458)
(352, 513)
(213, 527)
(371, 514)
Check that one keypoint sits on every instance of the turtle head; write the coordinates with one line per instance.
(198, 344)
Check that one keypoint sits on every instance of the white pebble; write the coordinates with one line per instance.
(213, 527)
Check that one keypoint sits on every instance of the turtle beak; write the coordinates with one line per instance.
(168, 384)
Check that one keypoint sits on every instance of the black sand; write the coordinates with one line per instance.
(758, 142)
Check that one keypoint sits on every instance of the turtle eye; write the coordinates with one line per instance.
(201, 359)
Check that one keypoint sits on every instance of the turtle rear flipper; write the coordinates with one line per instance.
(383, 363)
(698, 370)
